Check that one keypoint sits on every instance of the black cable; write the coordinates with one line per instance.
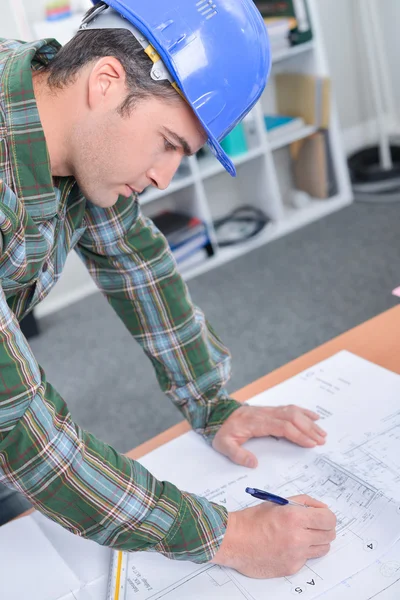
(242, 224)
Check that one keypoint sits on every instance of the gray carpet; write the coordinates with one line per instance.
(269, 307)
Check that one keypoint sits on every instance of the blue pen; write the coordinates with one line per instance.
(261, 495)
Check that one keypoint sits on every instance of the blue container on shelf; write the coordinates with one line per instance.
(235, 142)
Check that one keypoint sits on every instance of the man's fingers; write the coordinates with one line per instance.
(307, 425)
(289, 431)
(308, 501)
(321, 519)
(304, 420)
(243, 457)
(281, 428)
(283, 424)
(239, 455)
(281, 421)
(292, 414)
(311, 415)
(309, 428)
(318, 551)
(320, 538)
(317, 517)
(314, 417)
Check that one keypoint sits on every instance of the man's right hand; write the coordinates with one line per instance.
(268, 540)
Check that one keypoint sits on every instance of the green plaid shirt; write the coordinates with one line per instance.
(68, 474)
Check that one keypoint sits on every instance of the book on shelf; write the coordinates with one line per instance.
(278, 33)
(296, 11)
(313, 167)
(279, 125)
(178, 227)
(278, 28)
(192, 245)
(193, 260)
(306, 96)
(186, 235)
(276, 49)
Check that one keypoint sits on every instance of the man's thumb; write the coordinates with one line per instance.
(243, 457)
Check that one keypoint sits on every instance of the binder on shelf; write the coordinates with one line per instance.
(305, 96)
(186, 235)
(298, 13)
(190, 247)
(235, 142)
(313, 167)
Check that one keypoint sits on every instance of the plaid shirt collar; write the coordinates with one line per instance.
(28, 155)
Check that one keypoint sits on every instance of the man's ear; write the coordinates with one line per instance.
(106, 83)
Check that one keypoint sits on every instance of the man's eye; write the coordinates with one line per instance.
(168, 146)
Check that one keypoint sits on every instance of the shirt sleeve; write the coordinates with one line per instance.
(77, 480)
(82, 483)
(132, 264)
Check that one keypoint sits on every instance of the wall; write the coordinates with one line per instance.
(339, 21)
(390, 19)
(8, 26)
(35, 8)
(345, 48)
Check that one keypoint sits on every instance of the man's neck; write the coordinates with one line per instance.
(53, 111)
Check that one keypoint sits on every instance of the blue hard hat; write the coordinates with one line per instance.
(217, 52)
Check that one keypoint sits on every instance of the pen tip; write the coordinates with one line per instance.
(250, 490)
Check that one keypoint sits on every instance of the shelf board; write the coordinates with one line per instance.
(292, 51)
(178, 183)
(292, 219)
(294, 136)
(210, 166)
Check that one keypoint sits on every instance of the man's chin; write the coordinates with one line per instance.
(103, 203)
(97, 196)
(102, 200)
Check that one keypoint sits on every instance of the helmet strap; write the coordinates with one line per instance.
(105, 17)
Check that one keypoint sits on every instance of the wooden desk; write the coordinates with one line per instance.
(377, 340)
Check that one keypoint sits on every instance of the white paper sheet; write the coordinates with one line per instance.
(29, 566)
(40, 560)
(87, 560)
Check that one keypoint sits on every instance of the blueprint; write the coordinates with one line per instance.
(357, 474)
(376, 458)
(365, 528)
(380, 581)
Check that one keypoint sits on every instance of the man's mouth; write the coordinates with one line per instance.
(133, 190)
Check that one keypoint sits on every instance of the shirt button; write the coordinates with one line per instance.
(44, 268)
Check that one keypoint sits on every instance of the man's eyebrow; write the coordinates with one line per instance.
(181, 141)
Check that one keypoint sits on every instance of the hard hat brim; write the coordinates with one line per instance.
(220, 153)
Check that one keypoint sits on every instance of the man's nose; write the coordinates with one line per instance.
(161, 174)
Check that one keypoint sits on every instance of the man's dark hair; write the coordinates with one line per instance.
(90, 45)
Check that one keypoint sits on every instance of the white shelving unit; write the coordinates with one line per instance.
(263, 175)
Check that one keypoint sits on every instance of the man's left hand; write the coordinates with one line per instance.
(291, 422)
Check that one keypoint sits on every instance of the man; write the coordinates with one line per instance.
(82, 130)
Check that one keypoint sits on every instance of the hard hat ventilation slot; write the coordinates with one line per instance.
(207, 8)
